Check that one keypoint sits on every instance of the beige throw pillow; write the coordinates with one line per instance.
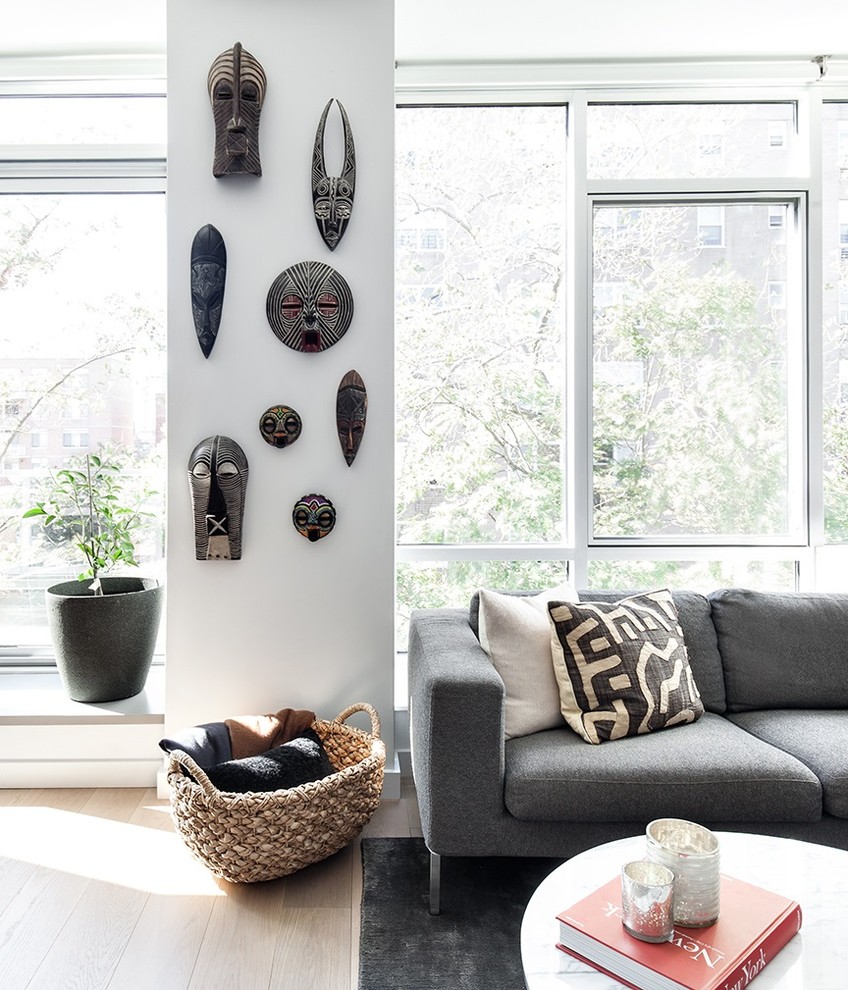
(515, 632)
(622, 667)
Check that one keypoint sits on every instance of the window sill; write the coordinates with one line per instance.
(36, 696)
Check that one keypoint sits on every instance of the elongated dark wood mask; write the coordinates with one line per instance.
(351, 409)
(236, 85)
(309, 306)
(332, 196)
(217, 477)
(208, 277)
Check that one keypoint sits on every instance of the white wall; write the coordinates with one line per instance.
(292, 623)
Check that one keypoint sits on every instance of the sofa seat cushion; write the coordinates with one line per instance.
(710, 770)
(817, 738)
(782, 649)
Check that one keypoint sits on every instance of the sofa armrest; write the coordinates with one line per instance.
(456, 715)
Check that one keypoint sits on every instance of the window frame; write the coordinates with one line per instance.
(797, 247)
(510, 83)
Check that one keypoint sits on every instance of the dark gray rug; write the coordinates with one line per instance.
(472, 945)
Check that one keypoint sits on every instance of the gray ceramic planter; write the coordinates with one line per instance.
(104, 644)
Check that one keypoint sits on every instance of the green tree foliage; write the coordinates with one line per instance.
(690, 429)
(479, 329)
(88, 508)
(79, 328)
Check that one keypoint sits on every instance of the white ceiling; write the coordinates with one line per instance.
(498, 29)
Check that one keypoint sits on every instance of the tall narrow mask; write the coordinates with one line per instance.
(351, 409)
(208, 276)
(332, 196)
(217, 477)
(236, 85)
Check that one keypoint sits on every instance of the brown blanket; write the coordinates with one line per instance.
(251, 735)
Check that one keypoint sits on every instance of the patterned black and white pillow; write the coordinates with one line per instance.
(622, 668)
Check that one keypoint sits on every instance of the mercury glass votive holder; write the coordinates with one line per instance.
(691, 852)
(647, 891)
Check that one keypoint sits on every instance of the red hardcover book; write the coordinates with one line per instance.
(753, 926)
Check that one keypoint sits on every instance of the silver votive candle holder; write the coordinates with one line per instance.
(647, 893)
(691, 852)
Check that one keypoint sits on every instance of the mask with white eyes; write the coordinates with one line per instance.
(236, 85)
(217, 477)
(332, 195)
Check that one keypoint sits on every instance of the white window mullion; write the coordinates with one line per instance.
(579, 342)
(811, 123)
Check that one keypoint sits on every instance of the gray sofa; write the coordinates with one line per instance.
(769, 755)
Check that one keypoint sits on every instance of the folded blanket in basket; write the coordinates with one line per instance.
(252, 734)
(294, 763)
(234, 738)
(206, 744)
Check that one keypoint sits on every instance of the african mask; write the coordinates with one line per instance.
(309, 306)
(280, 426)
(217, 477)
(236, 85)
(351, 408)
(314, 517)
(332, 196)
(208, 275)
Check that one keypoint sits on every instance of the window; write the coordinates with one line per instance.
(711, 226)
(665, 140)
(776, 293)
(842, 316)
(777, 134)
(480, 376)
(843, 229)
(776, 218)
(691, 403)
(834, 301)
(842, 144)
(82, 303)
(711, 145)
(663, 389)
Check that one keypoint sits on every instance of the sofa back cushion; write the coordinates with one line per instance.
(693, 613)
(782, 649)
(515, 632)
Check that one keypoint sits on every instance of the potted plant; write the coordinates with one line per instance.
(103, 627)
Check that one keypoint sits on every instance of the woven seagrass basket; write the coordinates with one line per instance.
(260, 836)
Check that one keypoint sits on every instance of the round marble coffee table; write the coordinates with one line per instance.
(815, 876)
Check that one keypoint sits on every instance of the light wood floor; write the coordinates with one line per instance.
(97, 891)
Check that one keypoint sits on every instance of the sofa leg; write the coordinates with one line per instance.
(435, 882)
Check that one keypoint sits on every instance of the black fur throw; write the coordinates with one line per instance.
(296, 762)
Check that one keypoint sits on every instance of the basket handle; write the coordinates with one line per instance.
(180, 759)
(361, 706)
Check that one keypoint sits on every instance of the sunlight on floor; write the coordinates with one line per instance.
(148, 859)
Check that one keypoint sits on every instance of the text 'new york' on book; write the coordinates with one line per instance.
(753, 926)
